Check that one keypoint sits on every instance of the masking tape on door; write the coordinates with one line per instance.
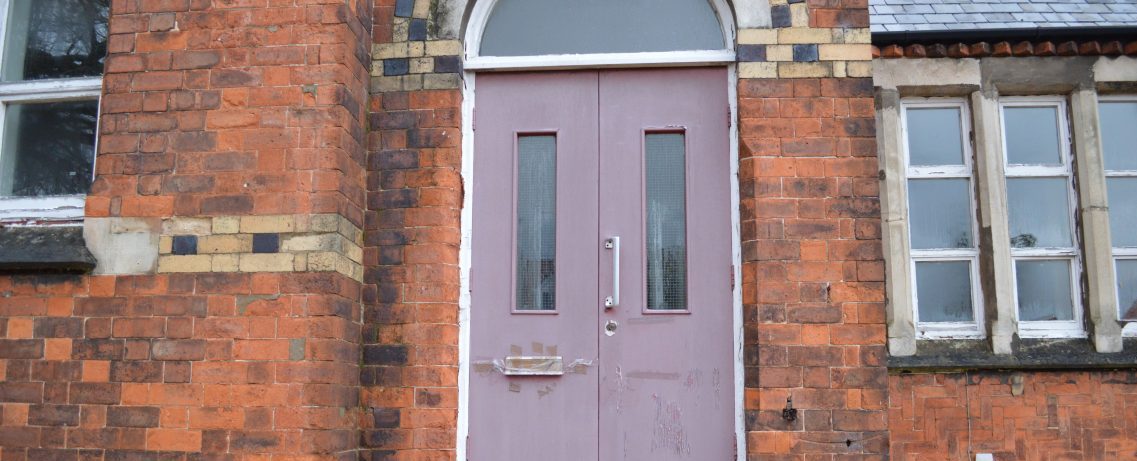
(533, 366)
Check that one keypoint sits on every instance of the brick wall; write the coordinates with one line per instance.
(1079, 416)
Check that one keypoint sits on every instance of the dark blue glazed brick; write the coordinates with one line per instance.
(417, 30)
(447, 64)
(392, 67)
(266, 243)
(805, 53)
(791, 2)
(780, 16)
(185, 245)
(751, 53)
(404, 8)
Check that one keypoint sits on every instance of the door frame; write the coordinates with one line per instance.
(473, 64)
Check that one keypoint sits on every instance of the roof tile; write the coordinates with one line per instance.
(946, 15)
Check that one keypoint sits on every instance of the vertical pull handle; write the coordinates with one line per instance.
(613, 245)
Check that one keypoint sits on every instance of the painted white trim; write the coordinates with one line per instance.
(464, 259)
(736, 261)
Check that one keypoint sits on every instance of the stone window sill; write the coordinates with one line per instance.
(1028, 354)
(44, 249)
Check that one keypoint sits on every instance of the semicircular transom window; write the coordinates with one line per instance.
(550, 27)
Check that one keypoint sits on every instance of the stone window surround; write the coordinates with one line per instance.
(1079, 80)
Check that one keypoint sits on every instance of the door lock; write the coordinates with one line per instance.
(610, 327)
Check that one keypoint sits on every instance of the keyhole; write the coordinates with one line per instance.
(610, 327)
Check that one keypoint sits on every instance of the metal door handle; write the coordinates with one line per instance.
(613, 244)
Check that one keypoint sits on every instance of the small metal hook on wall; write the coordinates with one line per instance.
(789, 413)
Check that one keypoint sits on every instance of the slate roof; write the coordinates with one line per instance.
(955, 15)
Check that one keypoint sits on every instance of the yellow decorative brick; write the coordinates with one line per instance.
(225, 243)
(441, 81)
(422, 65)
(300, 262)
(799, 15)
(185, 263)
(354, 253)
(757, 36)
(226, 225)
(390, 50)
(845, 52)
(400, 30)
(324, 223)
(839, 69)
(266, 262)
(804, 70)
(267, 224)
(758, 70)
(779, 53)
(165, 244)
(322, 261)
(798, 35)
(225, 263)
(444, 48)
(859, 69)
(422, 9)
(852, 36)
(311, 242)
(416, 49)
(186, 226)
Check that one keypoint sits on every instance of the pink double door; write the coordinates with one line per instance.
(601, 313)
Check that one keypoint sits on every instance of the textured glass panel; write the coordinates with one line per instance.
(1040, 212)
(1044, 290)
(1127, 288)
(941, 213)
(1032, 135)
(49, 149)
(1119, 134)
(536, 222)
(55, 39)
(943, 291)
(934, 136)
(666, 222)
(1123, 210)
(536, 27)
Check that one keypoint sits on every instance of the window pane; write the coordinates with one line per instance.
(1040, 212)
(943, 291)
(49, 149)
(666, 222)
(1032, 135)
(1044, 290)
(536, 222)
(1119, 135)
(55, 39)
(536, 27)
(934, 137)
(941, 213)
(1127, 288)
(1123, 210)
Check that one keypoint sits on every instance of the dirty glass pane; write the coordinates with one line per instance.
(1040, 212)
(55, 39)
(1123, 210)
(940, 213)
(1127, 288)
(943, 291)
(536, 222)
(1119, 135)
(666, 221)
(537, 27)
(934, 136)
(1032, 135)
(1044, 290)
(49, 149)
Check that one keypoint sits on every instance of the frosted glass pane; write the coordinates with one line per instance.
(1044, 290)
(536, 222)
(940, 213)
(1040, 212)
(934, 137)
(1032, 135)
(666, 222)
(48, 149)
(943, 291)
(1119, 134)
(1127, 288)
(536, 27)
(1123, 210)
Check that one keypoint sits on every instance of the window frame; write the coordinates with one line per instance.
(1049, 328)
(944, 330)
(1120, 253)
(55, 207)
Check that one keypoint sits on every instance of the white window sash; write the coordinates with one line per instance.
(1122, 253)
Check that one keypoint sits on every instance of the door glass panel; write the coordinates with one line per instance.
(1044, 290)
(1119, 135)
(941, 213)
(1127, 288)
(1123, 210)
(943, 291)
(536, 222)
(1040, 212)
(934, 136)
(666, 221)
(1032, 135)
